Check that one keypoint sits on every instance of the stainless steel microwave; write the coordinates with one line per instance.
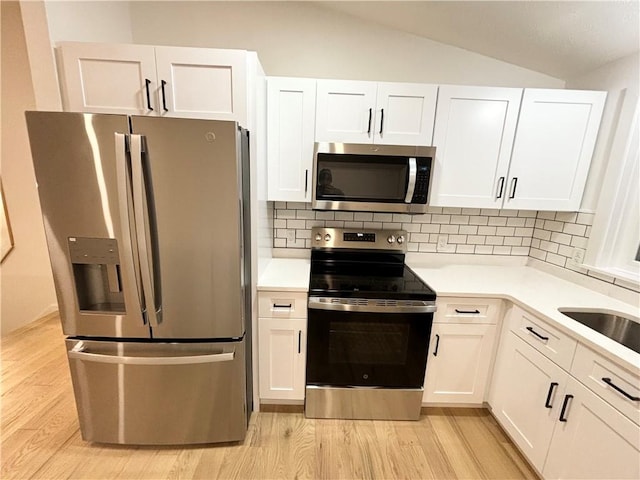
(372, 178)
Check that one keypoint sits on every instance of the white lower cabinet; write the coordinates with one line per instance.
(566, 430)
(528, 389)
(593, 441)
(461, 350)
(282, 345)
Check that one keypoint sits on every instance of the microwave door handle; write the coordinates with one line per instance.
(411, 185)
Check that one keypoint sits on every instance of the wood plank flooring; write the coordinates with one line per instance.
(41, 439)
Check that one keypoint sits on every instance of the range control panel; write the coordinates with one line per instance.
(336, 238)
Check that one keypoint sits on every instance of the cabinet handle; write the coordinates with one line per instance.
(306, 180)
(435, 352)
(537, 334)
(514, 184)
(619, 390)
(501, 183)
(381, 119)
(284, 305)
(476, 311)
(299, 339)
(552, 387)
(369, 127)
(564, 407)
(164, 99)
(147, 82)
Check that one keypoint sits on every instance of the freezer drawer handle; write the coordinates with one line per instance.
(78, 354)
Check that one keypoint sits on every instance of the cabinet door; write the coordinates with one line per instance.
(291, 113)
(102, 78)
(202, 83)
(282, 353)
(524, 381)
(458, 364)
(345, 111)
(473, 134)
(404, 113)
(554, 143)
(595, 442)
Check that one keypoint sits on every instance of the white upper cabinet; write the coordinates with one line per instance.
(557, 131)
(291, 111)
(494, 150)
(104, 78)
(383, 113)
(474, 132)
(202, 83)
(148, 80)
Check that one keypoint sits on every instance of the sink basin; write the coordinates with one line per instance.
(613, 325)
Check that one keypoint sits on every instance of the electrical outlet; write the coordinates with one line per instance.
(577, 256)
(443, 243)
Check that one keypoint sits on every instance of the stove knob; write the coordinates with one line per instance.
(401, 239)
(318, 237)
(391, 239)
(327, 237)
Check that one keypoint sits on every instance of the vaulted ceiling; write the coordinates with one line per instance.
(558, 38)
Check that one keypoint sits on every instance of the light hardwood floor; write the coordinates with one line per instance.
(40, 436)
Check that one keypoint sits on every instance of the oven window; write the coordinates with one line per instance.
(358, 178)
(367, 349)
(368, 344)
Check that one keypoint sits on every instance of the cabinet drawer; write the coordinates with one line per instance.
(592, 369)
(282, 304)
(468, 310)
(545, 338)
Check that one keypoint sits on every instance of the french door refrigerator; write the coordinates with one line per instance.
(147, 224)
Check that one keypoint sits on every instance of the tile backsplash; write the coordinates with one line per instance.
(444, 230)
(551, 237)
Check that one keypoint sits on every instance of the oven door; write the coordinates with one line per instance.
(353, 346)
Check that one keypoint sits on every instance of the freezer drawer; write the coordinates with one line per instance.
(140, 393)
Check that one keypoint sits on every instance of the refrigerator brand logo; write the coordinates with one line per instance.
(210, 136)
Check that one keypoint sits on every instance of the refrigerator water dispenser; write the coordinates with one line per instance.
(96, 273)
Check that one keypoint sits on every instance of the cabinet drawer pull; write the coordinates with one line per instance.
(435, 352)
(608, 381)
(474, 312)
(284, 305)
(164, 98)
(514, 185)
(537, 334)
(299, 340)
(369, 127)
(147, 82)
(565, 404)
(552, 387)
(501, 182)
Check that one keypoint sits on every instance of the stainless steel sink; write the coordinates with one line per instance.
(616, 326)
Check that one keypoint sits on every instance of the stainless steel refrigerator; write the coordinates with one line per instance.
(147, 224)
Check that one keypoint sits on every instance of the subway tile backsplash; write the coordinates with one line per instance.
(547, 236)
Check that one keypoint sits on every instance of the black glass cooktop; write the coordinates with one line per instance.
(366, 276)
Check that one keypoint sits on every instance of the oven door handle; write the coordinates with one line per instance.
(371, 305)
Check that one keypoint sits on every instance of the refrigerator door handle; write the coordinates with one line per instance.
(142, 223)
(78, 354)
(124, 185)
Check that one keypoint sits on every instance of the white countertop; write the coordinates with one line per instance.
(539, 292)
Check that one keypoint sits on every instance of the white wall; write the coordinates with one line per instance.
(91, 21)
(621, 80)
(26, 283)
(302, 39)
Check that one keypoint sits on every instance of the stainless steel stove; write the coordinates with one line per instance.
(370, 319)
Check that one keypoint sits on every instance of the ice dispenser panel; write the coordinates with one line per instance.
(96, 273)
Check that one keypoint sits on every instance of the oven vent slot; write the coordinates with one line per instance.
(348, 301)
(373, 302)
